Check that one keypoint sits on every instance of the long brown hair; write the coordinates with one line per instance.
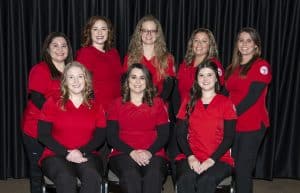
(88, 88)
(196, 91)
(237, 57)
(213, 48)
(135, 48)
(55, 74)
(150, 91)
(87, 37)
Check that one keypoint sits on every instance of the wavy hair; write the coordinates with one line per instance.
(135, 48)
(46, 57)
(196, 91)
(150, 91)
(87, 37)
(237, 57)
(213, 48)
(88, 88)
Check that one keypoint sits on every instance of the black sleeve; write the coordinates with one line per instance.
(167, 88)
(38, 99)
(113, 138)
(182, 132)
(229, 131)
(255, 90)
(162, 138)
(175, 97)
(45, 137)
(97, 140)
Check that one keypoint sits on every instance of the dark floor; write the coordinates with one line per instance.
(260, 186)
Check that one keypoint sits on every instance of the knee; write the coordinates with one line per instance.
(184, 178)
(91, 175)
(207, 180)
(65, 179)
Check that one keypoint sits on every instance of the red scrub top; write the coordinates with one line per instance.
(157, 81)
(72, 127)
(106, 70)
(238, 88)
(137, 124)
(206, 126)
(186, 76)
(40, 80)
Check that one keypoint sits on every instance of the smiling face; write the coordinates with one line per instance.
(149, 32)
(75, 81)
(246, 45)
(207, 79)
(58, 50)
(99, 33)
(201, 44)
(137, 81)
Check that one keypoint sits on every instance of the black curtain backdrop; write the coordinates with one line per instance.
(25, 24)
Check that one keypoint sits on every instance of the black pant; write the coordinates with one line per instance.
(244, 151)
(139, 179)
(64, 174)
(33, 151)
(189, 181)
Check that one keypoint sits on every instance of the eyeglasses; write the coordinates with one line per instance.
(152, 31)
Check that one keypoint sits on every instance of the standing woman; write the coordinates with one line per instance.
(201, 46)
(247, 80)
(44, 82)
(137, 131)
(101, 59)
(205, 132)
(72, 128)
(147, 46)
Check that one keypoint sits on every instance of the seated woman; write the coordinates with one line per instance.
(205, 132)
(72, 128)
(138, 130)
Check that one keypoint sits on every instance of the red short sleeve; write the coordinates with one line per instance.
(112, 113)
(84, 56)
(161, 112)
(229, 110)
(261, 71)
(48, 111)
(182, 111)
(100, 117)
(39, 78)
(125, 64)
(171, 66)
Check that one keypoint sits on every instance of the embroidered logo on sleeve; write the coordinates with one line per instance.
(264, 70)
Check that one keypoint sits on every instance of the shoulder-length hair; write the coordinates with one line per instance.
(213, 48)
(237, 57)
(55, 74)
(150, 91)
(135, 49)
(88, 88)
(196, 91)
(87, 37)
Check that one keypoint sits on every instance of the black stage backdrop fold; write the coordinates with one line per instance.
(25, 24)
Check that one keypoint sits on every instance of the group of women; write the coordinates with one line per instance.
(74, 107)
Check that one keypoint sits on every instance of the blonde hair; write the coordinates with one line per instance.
(88, 88)
(135, 49)
(213, 48)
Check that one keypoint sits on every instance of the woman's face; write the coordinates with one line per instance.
(75, 80)
(58, 49)
(137, 81)
(99, 33)
(207, 79)
(246, 45)
(201, 44)
(149, 32)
